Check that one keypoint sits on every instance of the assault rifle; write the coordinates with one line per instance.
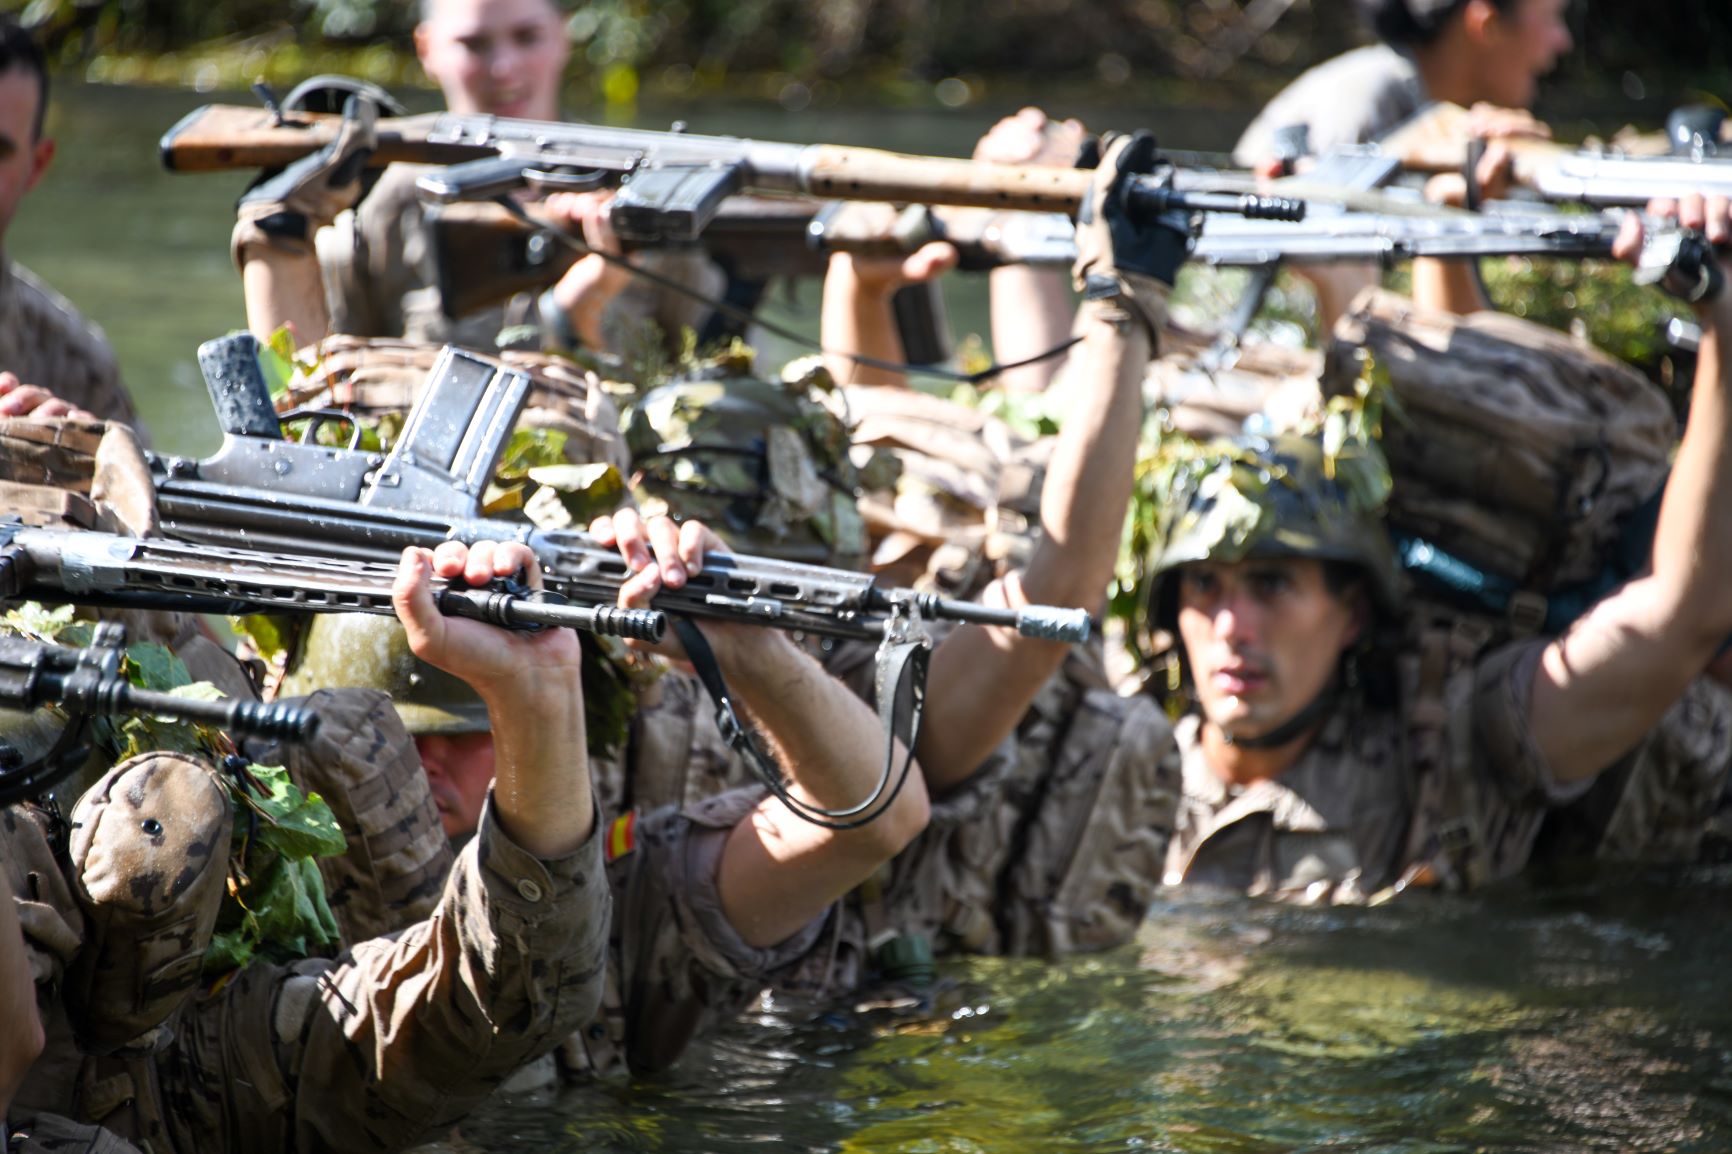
(111, 571)
(345, 505)
(485, 254)
(1693, 156)
(88, 683)
(670, 184)
(348, 505)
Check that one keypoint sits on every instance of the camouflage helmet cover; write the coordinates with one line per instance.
(1282, 496)
(765, 463)
(357, 651)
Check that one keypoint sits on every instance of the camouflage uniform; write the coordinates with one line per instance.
(382, 278)
(45, 342)
(372, 1050)
(1052, 845)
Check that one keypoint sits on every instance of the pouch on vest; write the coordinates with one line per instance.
(149, 853)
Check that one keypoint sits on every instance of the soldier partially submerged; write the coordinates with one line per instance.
(1276, 575)
(378, 1046)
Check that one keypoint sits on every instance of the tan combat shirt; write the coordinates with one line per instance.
(46, 342)
(1352, 816)
(375, 1049)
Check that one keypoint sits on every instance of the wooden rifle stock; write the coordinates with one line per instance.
(220, 137)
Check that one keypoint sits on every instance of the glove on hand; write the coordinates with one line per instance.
(1125, 260)
(286, 208)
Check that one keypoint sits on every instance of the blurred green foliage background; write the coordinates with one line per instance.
(802, 52)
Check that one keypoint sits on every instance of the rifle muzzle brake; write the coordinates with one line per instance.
(1154, 199)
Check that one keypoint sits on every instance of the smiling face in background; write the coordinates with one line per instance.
(1263, 637)
(496, 57)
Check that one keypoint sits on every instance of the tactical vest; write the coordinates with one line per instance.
(1527, 468)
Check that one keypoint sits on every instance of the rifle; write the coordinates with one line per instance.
(670, 183)
(111, 571)
(345, 505)
(1692, 156)
(88, 683)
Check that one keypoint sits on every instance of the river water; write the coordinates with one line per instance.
(1584, 1014)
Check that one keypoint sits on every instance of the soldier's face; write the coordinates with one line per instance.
(459, 770)
(1263, 638)
(23, 157)
(497, 57)
(1518, 45)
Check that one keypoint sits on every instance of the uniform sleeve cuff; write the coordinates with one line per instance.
(526, 885)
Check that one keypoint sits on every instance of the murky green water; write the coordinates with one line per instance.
(1592, 1016)
(1589, 1017)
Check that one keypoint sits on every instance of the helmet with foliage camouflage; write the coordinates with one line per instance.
(357, 651)
(1290, 495)
(765, 463)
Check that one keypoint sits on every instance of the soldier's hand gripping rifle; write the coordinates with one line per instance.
(1693, 156)
(88, 683)
(670, 183)
(350, 506)
(347, 504)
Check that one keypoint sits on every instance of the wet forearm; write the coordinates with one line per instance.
(1693, 540)
(1448, 286)
(857, 317)
(982, 680)
(541, 763)
(1032, 310)
(284, 288)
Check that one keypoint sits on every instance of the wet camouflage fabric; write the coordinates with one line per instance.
(1352, 817)
(373, 1050)
(961, 504)
(676, 965)
(764, 463)
(46, 342)
(1519, 450)
(148, 850)
(381, 280)
(364, 765)
(1666, 802)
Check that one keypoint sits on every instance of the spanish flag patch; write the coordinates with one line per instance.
(621, 836)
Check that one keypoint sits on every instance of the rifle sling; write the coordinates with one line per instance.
(900, 685)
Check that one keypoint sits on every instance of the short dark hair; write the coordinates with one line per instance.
(1414, 23)
(18, 49)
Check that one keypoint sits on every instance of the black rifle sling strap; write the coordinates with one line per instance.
(900, 685)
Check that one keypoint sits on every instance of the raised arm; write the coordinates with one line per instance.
(531, 684)
(1032, 308)
(982, 680)
(1603, 684)
(276, 220)
(779, 871)
(857, 317)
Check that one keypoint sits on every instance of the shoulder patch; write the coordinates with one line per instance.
(621, 837)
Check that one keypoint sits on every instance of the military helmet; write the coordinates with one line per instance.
(764, 463)
(358, 651)
(1280, 496)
